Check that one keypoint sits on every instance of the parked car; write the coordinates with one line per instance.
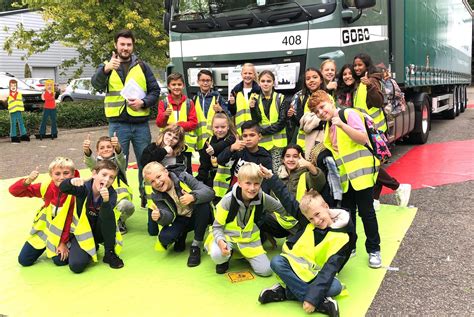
(163, 88)
(31, 97)
(38, 84)
(81, 89)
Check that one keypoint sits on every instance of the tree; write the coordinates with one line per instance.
(89, 26)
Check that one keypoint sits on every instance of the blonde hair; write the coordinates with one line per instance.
(49, 82)
(61, 162)
(179, 131)
(223, 115)
(152, 167)
(327, 61)
(251, 66)
(308, 198)
(317, 97)
(249, 171)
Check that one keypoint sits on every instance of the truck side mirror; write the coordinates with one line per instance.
(364, 4)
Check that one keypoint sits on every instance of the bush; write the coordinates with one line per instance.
(71, 115)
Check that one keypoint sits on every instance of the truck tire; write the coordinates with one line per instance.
(463, 98)
(451, 112)
(457, 101)
(420, 133)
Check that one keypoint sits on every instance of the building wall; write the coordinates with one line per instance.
(46, 62)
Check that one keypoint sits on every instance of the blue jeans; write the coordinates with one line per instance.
(140, 136)
(16, 118)
(29, 255)
(48, 113)
(295, 287)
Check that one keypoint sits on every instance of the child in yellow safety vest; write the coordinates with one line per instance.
(108, 148)
(311, 259)
(177, 108)
(271, 114)
(94, 220)
(15, 108)
(238, 218)
(358, 167)
(51, 225)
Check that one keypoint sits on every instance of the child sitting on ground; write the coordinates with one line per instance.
(311, 259)
(94, 219)
(180, 204)
(50, 230)
(237, 221)
(108, 148)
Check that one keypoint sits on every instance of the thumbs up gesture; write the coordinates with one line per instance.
(114, 63)
(365, 79)
(209, 149)
(115, 143)
(86, 145)
(217, 107)
(186, 198)
(302, 162)
(169, 110)
(32, 177)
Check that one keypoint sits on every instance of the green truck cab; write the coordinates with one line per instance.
(425, 43)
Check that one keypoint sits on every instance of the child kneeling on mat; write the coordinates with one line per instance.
(311, 259)
(94, 220)
(180, 203)
(237, 220)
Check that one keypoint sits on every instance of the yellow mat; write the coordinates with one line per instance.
(160, 284)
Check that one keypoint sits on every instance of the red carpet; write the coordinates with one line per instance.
(471, 106)
(434, 165)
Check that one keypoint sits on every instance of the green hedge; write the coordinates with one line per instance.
(71, 115)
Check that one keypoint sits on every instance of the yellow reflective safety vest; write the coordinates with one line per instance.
(360, 103)
(82, 231)
(114, 102)
(278, 139)
(222, 180)
(205, 125)
(15, 105)
(242, 113)
(48, 224)
(355, 162)
(246, 240)
(190, 137)
(306, 258)
(123, 190)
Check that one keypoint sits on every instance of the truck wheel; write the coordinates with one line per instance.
(463, 98)
(458, 100)
(451, 113)
(420, 133)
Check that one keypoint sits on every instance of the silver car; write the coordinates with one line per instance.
(81, 89)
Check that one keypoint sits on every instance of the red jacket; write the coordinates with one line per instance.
(18, 189)
(162, 118)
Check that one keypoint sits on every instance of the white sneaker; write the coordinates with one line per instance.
(353, 253)
(403, 195)
(376, 205)
(375, 260)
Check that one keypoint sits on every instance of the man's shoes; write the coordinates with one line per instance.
(54, 136)
(15, 139)
(222, 268)
(375, 260)
(403, 194)
(113, 260)
(39, 136)
(376, 205)
(122, 227)
(194, 258)
(25, 137)
(276, 293)
(180, 244)
(329, 307)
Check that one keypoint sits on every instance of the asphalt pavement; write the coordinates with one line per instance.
(435, 259)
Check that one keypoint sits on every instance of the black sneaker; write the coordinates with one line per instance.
(113, 260)
(276, 293)
(122, 227)
(329, 307)
(143, 201)
(222, 268)
(194, 256)
(180, 244)
(25, 137)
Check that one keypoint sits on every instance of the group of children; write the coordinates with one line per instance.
(16, 107)
(259, 179)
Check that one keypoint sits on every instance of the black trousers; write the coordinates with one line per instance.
(200, 219)
(363, 202)
(384, 179)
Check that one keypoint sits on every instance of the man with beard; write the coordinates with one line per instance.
(128, 118)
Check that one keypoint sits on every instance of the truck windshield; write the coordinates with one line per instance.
(195, 10)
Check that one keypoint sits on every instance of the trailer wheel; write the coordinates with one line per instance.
(458, 100)
(451, 113)
(463, 98)
(420, 133)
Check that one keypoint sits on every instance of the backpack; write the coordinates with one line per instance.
(393, 97)
(378, 140)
